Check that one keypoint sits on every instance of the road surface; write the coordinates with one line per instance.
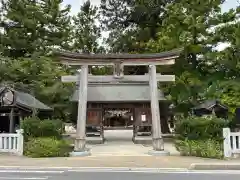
(113, 174)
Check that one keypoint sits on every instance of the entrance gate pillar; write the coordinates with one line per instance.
(80, 142)
(157, 140)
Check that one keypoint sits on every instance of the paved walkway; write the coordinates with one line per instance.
(118, 151)
(119, 143)
(125, 149)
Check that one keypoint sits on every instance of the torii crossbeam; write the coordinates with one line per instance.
(125, 78)
(76, 59)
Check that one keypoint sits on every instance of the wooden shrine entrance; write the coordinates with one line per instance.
(97, 89)
(113, 116)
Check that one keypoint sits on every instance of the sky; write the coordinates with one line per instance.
(76, 4)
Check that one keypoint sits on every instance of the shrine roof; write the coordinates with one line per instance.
(209, 104)
(29, 101)
(118, 93)
(26, 100)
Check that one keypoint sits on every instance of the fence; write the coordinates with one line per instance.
(231, 143)
(12, 143)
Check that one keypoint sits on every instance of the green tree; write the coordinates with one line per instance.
(56, 27)
(32, 29)
(226, 64)
(34, 26)
(40, 77)
(190, 24)
(86, 32)
(131, 23)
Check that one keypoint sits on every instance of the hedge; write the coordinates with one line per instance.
(46, 147)
(43, 138)
(34, 127)
(200, 128)
(200, 148)
(200, 136)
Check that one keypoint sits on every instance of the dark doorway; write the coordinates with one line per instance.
(117, 120)
(4, 123)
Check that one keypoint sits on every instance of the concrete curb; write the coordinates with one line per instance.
(98, 169)
(215, 166)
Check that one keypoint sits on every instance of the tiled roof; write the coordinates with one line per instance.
(209, 104)
(28, 101)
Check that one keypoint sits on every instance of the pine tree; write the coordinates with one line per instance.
(193, 25)
(86, 31)
(19, 27)
(56, 26)
(132, 23)
(34, 26)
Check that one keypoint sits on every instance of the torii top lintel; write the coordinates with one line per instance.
(163, 58)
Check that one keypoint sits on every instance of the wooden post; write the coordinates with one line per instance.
(80, 141)
(11, 121)
(158, 144)
(227, 143)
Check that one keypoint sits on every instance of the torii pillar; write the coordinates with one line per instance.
(80, 141)
(157, 140)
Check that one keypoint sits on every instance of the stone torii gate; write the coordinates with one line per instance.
(118, 61)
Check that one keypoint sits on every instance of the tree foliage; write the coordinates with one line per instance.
(32, 29)
(34, 26)
(132, 22)
(41, 78)
(86, 31)
(199, 27)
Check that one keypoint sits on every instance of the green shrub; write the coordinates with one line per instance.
(34, 127)
(47, 147)
(200, 128)
(200, 148)
(200, 136)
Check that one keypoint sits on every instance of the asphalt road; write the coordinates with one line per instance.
(111, 174)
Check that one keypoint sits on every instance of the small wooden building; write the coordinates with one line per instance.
(131, 98)
(15, 105)
(211, 107)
